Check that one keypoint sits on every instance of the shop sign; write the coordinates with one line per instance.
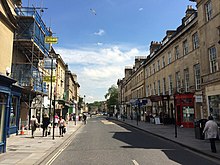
(198, 99)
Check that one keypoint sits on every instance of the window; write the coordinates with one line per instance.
(178, 82)
(147, 90)
(163, 62)
(149, 70)
(208, 8)
(169, 57)
(213, 60)
(164, 86)
(195, 39)
(151, 92)
(185, 48)
(186, 79)
(3, 103)
(158, 87)
(13, 112)
(177, 52)
(146, 72)
(158, 65)
(170, 84)
(154, 69)
(154, 88)
(197, 76)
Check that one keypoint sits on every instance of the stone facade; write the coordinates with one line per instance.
(183, 66)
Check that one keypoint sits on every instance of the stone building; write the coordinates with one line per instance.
(181, 72)
(9, 91)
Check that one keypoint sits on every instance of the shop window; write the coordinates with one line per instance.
(13, 114)
(214, 107)
(188, 114)
(3, 101)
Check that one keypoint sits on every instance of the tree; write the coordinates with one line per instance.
(112, 97)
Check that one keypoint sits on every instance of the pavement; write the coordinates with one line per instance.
(185, 136)
(24, 150)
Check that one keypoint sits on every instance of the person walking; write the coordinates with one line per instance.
(211, 132)
(46, 122)
(34, 125)
(56, 119)
(61, 124)
(84, 118)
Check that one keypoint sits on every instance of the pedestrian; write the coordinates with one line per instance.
(34, 125)
(67, 118)
(84, 118)
(61, 124)
(211, 132)
(46, 122)
(56, 119)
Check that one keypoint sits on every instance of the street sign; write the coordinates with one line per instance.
(51, 40)
(47, 63)
(48, 78)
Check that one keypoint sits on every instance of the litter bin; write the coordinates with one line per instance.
(199, 126)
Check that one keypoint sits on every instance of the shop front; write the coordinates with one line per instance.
(184, 108)
(214, 107)
(9, 109)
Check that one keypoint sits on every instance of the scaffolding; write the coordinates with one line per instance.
(29, 53)
(29, 42)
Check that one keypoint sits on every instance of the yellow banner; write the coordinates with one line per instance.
(51, 40)
(47, 78)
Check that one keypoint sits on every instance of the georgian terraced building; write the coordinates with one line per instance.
(181, 73)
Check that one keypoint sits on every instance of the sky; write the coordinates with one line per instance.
(99, 38)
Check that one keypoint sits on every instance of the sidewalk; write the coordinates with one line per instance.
(24, 150)
(185, 136)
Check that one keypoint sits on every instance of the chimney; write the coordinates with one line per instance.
(128, 71)
(189, 11)
(154, 46)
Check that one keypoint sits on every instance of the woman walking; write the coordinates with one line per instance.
(34, 125)
(211, 132)
(46, 122)
(61, 124)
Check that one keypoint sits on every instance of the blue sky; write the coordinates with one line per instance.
(98, 38)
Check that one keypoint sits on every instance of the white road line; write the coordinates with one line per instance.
(135, 162)
(59, 152)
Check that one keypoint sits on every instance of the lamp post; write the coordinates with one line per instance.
(84, 103)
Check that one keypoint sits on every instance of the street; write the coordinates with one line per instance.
(103, 141)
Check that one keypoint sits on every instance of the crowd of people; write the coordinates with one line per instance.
(59, 122)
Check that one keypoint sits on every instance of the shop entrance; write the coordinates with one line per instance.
(185, 113)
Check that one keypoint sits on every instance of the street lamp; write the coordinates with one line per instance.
(84, 103)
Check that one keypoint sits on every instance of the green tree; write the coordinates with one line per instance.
(112, 97)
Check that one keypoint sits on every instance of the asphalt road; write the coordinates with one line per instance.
(103, 142)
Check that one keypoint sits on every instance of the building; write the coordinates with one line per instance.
(10, 92)
(181, 72)
(71, 91)
(29, 53)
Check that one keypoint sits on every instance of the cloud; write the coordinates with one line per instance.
(98, 68)
(101, 32)
(99, 43)
(140, 9)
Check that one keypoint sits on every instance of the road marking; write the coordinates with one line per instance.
(106, 122)
(135, 162)
(59, 152)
